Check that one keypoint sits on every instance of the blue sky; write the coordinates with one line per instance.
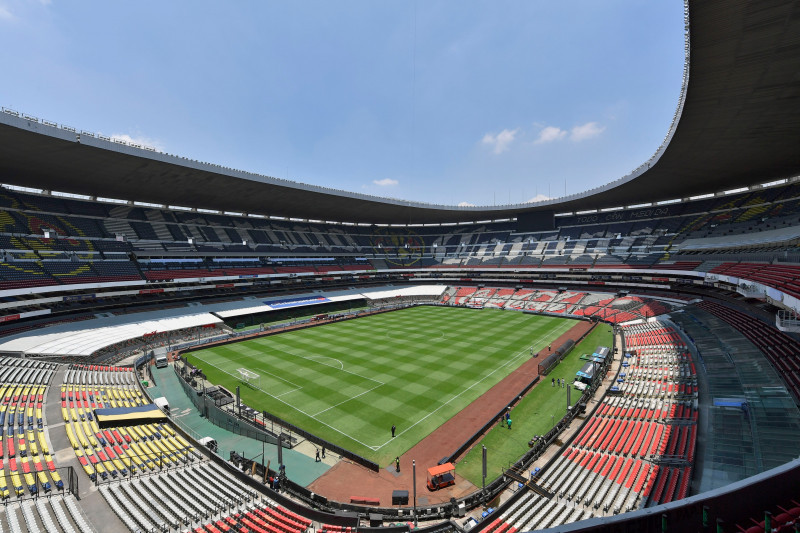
(442, 101)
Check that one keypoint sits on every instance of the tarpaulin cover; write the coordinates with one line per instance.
(127, 416)
(587, 371)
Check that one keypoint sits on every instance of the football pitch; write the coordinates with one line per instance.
(349, 382)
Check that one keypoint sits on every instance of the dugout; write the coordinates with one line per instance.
(553, 359)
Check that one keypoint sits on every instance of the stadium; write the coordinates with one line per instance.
(275, 356)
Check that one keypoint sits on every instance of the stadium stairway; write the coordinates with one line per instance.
(91, 503)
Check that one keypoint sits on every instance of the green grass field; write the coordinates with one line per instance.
(349, 381)
(534, 415)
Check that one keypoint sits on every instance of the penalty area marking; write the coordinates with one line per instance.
(295, 385)
(347, 400)
(375, 448)
(316, 357)
(293, 406)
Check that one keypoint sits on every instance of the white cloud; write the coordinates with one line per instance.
(385, 182)
(550, 134)
(501, 141)
(539, 198)
(141, 140)
(5, 14)
(576, 134)
(465, 204)
(586, 131)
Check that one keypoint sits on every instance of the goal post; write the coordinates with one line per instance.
(249, 377)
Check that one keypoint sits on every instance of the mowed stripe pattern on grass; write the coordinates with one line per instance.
(348, 382)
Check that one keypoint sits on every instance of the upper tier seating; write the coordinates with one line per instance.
(783, 277)
(82, 239)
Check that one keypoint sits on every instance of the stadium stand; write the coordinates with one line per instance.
(601, 305)
(640, 460)
(28, 463)
(34, 228)
(68, 259)
(636, 450)
(125, 449)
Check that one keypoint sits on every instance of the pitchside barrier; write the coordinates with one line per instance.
(291, 504)
(222, 418)
(322, 442)
(444, 527)
(547, 364)
(489, 423)
(230, 421)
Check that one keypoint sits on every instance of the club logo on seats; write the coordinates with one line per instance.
(402, 249)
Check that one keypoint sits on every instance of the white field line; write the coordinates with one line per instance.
(559, 329)
(311, 358)
(288, 392)
(277, 352)
(347, 400)
(295, 385)
(292, 406)
(280, 378)
(508, 362)
(315, 357)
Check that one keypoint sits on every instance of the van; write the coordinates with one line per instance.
(162, 404)
(209, 443)
(161, 361)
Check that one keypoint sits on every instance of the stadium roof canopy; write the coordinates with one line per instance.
(737, 124)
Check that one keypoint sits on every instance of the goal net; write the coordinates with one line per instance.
(249, 377)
